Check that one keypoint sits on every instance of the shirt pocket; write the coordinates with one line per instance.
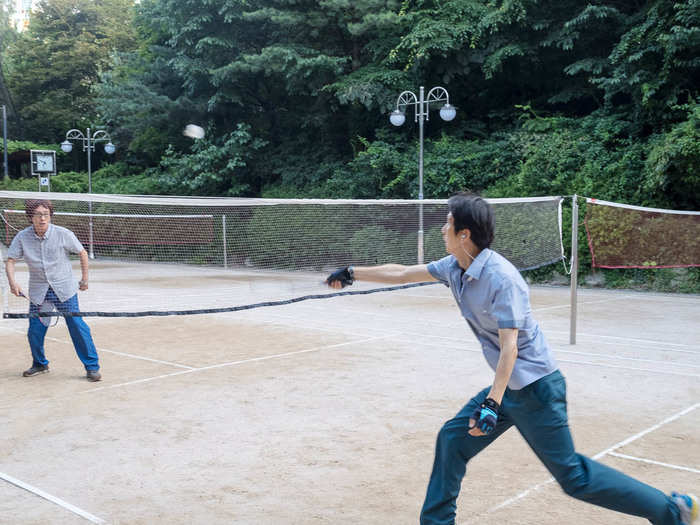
(52, 254)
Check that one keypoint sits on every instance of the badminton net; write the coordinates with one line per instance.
(199, 255)
(625, 236)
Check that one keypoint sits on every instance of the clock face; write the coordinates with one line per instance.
(44, 162)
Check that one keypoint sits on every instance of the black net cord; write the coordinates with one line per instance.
(215, 310)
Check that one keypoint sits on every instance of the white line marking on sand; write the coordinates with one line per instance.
(637, 359)
(647, 431)
(142, 358)
(580, 303)
(644, 460)
(627, 441)
(52, 499)
(650, 370)
(144, 380)
(296, 352)
(467, 348)
(232, 363)
(627, 339)
(639, 346)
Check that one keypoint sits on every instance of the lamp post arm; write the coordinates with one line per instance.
(101, 136)
(438, 94)
(408, 98)
(74, 134)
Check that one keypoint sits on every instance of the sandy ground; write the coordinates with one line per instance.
(326, 411)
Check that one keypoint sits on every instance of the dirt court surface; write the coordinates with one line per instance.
(326, 411)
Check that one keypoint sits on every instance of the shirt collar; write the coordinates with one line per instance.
(46, 235)
(477, 265)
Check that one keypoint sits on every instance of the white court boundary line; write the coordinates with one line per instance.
(640, 346)
(134, 356)
(644, 460)
(95, 519)
(52, 499)
(630, 339)
(451, 300)
(262, 358)
(609, 450)
(623, 358)
(650, 342)
(465, 342)
(557, 349)
(584, 363)
(605, 365)
(234, 363)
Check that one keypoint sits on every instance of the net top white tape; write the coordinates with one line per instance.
(640, 208)
(233, 201)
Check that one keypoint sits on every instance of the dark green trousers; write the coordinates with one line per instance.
(538, 411)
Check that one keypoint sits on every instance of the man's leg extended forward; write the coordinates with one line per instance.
(454, 448)
(539, 413)
(80, 334)
(36, 333)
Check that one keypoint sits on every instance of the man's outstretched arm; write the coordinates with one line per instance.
(384, 273)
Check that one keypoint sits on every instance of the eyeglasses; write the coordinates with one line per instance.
(43, 215)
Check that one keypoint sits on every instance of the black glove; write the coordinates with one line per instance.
(344, 276)
(486, 416)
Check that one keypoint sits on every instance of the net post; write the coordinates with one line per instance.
(223, 234)
(4, 284)
(574, 269)
(420, 233)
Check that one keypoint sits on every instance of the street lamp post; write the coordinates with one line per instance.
(421, 105)
(88, 139)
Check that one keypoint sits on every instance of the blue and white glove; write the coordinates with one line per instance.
(486, 416)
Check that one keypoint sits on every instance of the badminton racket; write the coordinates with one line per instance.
(46, 307)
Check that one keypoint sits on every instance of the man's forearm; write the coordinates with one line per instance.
(84, 265)
(504, 369)
(10, 271)
(393, 273)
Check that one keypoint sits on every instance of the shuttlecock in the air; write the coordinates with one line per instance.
(193, 131)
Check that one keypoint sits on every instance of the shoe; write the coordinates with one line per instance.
(94, 375)
(36, 370)
(688, 505)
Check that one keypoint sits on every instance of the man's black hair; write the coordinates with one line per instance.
(475, 214)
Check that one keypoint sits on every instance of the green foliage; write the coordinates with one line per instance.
(673, 164)
(597, 99)
(27, 184)
(674, 280)
(147, 110)
(214, 167)
(297, 238)
(655, 63)
(25, 145)
(636, 238)
(376, 244)
(52, 66)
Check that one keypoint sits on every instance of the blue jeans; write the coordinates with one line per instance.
(538, 411)
(78, 329)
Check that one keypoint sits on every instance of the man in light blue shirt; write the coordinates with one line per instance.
(528, 391)
(45, 248)
(492, 295)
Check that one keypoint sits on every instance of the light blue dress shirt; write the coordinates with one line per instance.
(492, 294)
(48, 260)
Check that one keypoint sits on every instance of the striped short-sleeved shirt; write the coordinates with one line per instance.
(48, 260)
(492, 294)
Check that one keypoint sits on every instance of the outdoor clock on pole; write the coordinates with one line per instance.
(43, 163)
